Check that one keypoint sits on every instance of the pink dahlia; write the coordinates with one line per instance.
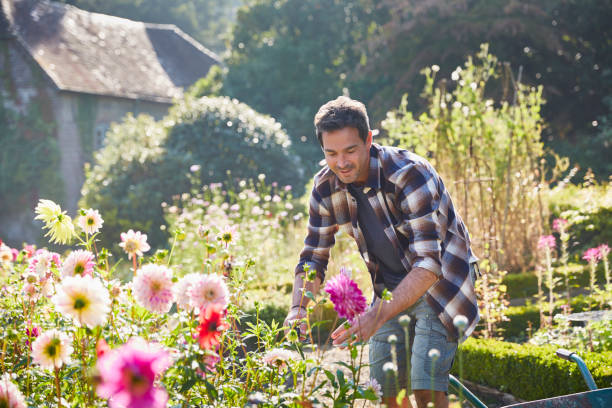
(128, 373)
(559, 224)
(79, 262)
(152, 288)
(547, 241)
(278, 357)
(10, 396)
(208, 289)
(182, 288)
(346, 296)
(591, 255)
(42, 262)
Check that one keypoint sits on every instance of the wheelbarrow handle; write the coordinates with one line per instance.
(462, 390)
(584, 370)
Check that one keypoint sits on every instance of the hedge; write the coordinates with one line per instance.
(515, 328)
(529, 372)
(521, 285)
(526, 371)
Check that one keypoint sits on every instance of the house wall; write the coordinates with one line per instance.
(80, 121)
(83, 121)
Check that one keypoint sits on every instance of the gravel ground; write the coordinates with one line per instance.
(331, 355)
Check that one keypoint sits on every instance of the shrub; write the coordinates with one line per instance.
(588, 208)
(520, 317)
(522, 285)
(486, 151)
(529, 372)
(145, 163)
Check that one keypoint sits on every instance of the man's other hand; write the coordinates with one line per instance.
(296, 319)
(363, 328)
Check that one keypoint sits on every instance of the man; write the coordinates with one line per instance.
(394, 204)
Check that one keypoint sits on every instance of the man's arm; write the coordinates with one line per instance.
(409, 290)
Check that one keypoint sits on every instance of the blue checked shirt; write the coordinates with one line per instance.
(418, 217)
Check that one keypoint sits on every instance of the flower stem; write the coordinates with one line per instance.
(57, 388)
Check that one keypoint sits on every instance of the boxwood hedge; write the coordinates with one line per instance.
(529, 372)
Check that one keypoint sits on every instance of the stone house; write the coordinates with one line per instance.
(86, 70)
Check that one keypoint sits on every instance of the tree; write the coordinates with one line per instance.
(288, 57)
(208, 21)
(564, 45)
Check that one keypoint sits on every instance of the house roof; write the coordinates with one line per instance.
(100, 54)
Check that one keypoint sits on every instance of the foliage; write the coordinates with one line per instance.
(594, 337)
(487, 151)
(492, 299)
(588, 209)
(563, 45)
(289, 57)
(208, 21)
(210, 85)
(29, 154)
(145, 163)
(523, 285)
(250, 218)
(523, 321)
(529, 372)
(228, 375)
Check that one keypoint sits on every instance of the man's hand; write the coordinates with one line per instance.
(296, 320)
(363, 327)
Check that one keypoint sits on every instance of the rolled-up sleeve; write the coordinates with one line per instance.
(419, 202)
(322, 228)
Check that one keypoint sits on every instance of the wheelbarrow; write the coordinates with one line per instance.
(594, 398)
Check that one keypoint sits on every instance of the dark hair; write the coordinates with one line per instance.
(340, 113)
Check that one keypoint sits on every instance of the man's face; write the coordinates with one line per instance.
(347, 155)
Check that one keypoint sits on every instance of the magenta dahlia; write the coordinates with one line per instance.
(346, 296)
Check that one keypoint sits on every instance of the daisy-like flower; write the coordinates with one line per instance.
(56, 221)
(91, 221)
(52, 349)
(374, 386)
(134, 243)
(229, 234)
(42, 262)
(346, 296)
(79, 262)
(83, 298)
(278, 357)
(208, 289)
(6, 254)
(10, 396)
(181, 290)
(546, 241)
(152, 288)
(212, 324)
(128, 374)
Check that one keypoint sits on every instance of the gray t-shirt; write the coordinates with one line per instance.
(379, 246)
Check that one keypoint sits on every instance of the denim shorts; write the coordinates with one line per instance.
(426, 332)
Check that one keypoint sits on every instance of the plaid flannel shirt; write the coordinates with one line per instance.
(418, 217)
